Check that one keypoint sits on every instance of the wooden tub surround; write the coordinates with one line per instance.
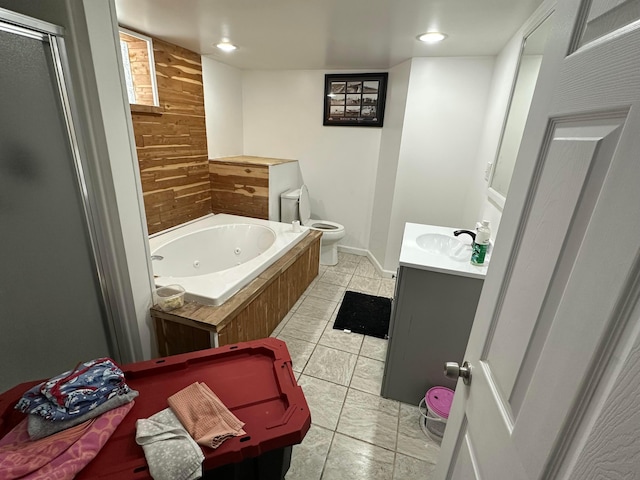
(252, 313)
(243, 185)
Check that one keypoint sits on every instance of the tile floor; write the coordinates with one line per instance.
(355, 433)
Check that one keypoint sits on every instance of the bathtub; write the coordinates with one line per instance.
(213, 257)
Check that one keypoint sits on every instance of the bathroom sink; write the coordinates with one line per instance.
(439, 244)
(437, 249)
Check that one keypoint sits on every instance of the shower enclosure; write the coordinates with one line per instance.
(54, 308)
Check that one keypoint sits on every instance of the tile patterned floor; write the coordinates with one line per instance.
(355, 433)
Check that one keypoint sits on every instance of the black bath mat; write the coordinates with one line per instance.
(365, 314)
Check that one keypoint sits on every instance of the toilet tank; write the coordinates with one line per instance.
(289, 206)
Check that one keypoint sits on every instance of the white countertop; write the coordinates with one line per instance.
(411, 255)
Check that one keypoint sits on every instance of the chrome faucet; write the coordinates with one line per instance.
(468, 232)
(157, 257)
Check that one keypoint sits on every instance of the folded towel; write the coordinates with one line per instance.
(170, 452)
(204, 416)
(60, 456)
(39, 427)
(76, 391)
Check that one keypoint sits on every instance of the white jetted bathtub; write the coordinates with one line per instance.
(215, 256)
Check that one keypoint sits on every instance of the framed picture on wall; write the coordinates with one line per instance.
(355, 99)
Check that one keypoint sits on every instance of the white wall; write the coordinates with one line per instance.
(446, 106)
(444, 117)
(417, 166)
(282, 113)
(223, 106)
(397, 91)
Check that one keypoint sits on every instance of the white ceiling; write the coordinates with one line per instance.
(327, 34)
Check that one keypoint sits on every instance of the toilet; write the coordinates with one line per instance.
(294, 205)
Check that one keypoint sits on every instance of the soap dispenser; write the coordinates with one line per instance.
(481, 244)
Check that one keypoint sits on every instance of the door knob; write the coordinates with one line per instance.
(453, 370)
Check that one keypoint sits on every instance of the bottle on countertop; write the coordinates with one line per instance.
(478, 225)
(481, 244)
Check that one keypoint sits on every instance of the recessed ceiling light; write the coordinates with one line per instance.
(226, 46)
(432, 37)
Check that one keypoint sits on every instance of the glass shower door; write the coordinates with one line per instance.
(52, 307)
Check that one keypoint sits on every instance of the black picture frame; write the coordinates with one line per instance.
(355, 99)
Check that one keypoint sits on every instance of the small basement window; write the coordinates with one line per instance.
(139, 68)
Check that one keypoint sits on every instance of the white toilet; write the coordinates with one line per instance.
(294, 205)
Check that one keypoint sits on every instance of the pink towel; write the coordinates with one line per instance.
(60, 456)
(204, 416)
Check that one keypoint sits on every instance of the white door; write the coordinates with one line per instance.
(555, 347)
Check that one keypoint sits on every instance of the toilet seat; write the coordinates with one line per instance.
(324, 225)
(328, 229)
(331, 231)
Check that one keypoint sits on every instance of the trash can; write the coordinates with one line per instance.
(434, 411)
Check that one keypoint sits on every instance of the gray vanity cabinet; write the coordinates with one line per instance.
(430, 324)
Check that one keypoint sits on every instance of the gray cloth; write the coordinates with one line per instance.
(170, 451)
(39, 428)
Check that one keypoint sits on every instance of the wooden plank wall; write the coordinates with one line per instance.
(239, 189)
(172, 143)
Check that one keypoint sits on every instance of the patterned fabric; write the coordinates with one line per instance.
(60, 456)
(75, 392)
(170, 452)
(204, 416)
(39, 427)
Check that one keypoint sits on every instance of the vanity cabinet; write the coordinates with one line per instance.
(431, 319)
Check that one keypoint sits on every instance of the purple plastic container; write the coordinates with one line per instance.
(439, 400)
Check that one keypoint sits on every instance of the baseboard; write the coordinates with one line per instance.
(381, 271)
(353, 251)
(366, 253)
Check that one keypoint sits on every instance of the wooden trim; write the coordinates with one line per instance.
(252, 313)
(146, 109)
(251, 160)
